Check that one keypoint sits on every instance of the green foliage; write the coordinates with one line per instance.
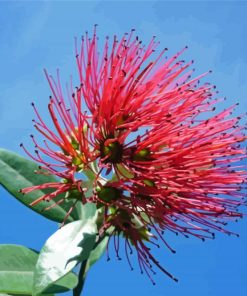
(17, 172)
(25, 272)
(97, 252)
(66, 248)
(17, 265)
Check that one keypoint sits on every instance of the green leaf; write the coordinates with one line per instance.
(97, 252)
(90, 174)
(64, 284)
(62, 252)
(88, 211)
(17, 172)
(17, 264)
(16, 269)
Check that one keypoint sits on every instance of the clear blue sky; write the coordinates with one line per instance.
(34, 35)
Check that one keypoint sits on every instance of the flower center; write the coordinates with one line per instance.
(113, 151)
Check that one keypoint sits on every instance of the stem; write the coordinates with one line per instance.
(81, 277)
(84, 268)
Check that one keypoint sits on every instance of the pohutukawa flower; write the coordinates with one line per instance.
(140, 119)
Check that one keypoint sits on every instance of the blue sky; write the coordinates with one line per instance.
(34, 35)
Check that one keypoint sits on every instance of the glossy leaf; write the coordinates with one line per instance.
(62, 252)
(17, 172)
(62, 285)
(88, 211)
(97, 253)
(17, 264)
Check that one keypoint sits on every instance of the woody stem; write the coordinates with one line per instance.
(81, 279)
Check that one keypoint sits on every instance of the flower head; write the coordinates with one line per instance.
(140, 120)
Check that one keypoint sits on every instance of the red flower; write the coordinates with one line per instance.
(70, 136)
(176, 164)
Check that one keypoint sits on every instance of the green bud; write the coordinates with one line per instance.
(142, 155)
(149, 183)
(74, 143)
(65, 181)
(108, 194)
(74, 194)
(144, 233)
(76, 160)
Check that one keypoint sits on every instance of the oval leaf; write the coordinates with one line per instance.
(17, 264)
(62, 252)
(17, 172)
(64, 284)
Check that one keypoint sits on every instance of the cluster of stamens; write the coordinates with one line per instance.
(153, 163)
